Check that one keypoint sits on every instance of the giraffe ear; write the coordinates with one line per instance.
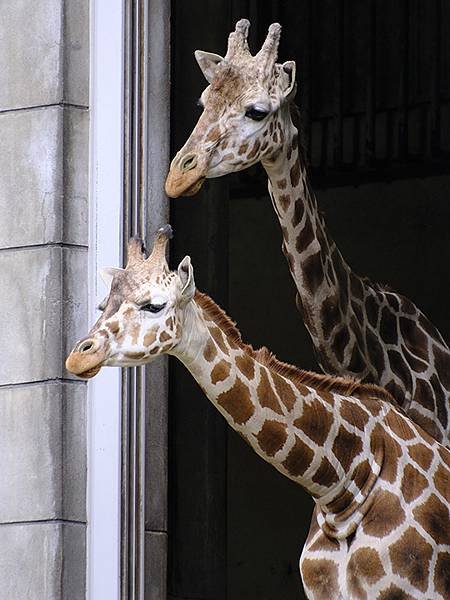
(290, 68)
(186, 275)
(107, 274)
(207, 61)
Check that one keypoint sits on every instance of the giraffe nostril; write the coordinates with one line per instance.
(188, 162)
(86, 346)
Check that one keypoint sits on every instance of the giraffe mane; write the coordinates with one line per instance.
(345, 386)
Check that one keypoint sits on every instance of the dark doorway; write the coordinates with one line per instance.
(374, 89)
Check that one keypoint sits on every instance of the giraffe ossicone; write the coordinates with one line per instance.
(381, 484)
(357, 327)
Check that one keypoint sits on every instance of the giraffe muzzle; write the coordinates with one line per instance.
(87, 358)
(186, 176)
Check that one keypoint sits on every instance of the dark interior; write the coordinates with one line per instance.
(374, 91)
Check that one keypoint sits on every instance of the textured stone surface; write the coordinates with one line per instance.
(46, 61)
(44, 179)
(44, 561)
(42, 300)
(43, 450)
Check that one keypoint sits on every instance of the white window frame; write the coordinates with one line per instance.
(104, 392)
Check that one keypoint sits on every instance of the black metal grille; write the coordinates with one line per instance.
(374, 84)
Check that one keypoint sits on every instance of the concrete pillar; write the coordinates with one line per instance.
(44, 84)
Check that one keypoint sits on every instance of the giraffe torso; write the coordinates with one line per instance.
(400, 549)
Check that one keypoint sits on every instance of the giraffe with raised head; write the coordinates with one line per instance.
(380, 483)
(358, 328)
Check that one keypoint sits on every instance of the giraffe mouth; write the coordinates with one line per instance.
(86, 363)
(185, 182)
(89, 373)
(194, 188)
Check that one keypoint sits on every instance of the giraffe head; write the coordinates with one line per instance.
(142, 316)
(243, 110)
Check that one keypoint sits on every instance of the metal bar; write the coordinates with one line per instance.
(404, 93)
(436, 41)
(371, 85)
(339, 77)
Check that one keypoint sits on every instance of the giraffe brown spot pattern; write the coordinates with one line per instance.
(400, 426)
(324, 543)
(284, 201)
(299, 458)
(442, 362)
(326, 474)
(384, 515)
(361, 473)
(442, 574)
(410, 558)
(321, 575)
(415, 340)
(434, 517)
(210, 351)
(113, 326)
(254, 150)
(363, 567)
(237, 403)
(313, 272)
(413, 483)
(272, 437)
(284, 391)
(266, 396)
(246, 366)
(164, 336)
(421, 455)
(354, 414)
(295, 174)
(242, 149)
(394, 593)
(299, 210)
(220, 371)
(442, 481)
(315, 422)
(305, 236)
(218, 338)
(346, 447)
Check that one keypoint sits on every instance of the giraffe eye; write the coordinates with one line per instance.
(256, 114)
(153, 308)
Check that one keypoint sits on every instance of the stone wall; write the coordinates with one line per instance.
(44, 85)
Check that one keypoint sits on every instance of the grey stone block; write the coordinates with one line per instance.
(76, 52)
(43, 561)
(43, 450)
(42, 300)
(44, 179)
(45, 62)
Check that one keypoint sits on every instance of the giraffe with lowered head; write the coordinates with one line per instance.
(380, 483)
(358, 328)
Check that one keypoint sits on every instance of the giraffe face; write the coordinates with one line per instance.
(142, 317)
(244, 108)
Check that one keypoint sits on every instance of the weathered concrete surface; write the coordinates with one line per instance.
(45, 53)
(44, 177)
(43, 450)
(42, 298)
(42, 561)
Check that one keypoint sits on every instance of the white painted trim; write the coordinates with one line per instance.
(106, 150)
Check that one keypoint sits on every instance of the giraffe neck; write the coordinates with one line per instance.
(358, 329)
(317, 267)
(307, 432)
